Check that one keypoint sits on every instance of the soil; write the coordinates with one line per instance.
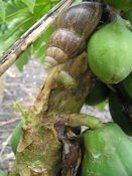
(23, 87)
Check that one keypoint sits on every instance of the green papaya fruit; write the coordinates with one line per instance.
(97, 94)
(109, 52)
(128, 16)
(16, 135)
(120, 4)
(126, 88)
(107, 152)
(118, 113)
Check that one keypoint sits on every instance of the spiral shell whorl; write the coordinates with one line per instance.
(73, 27)
(81, 18)
(66, 40)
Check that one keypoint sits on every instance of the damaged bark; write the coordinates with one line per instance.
(40, 149)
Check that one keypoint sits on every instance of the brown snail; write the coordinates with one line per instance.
(73, 27)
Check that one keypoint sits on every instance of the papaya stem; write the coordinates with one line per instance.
(75, 120)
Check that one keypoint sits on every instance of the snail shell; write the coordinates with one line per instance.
(73, 27)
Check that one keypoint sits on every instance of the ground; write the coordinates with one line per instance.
(23, 86)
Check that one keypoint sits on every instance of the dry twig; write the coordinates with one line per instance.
(31, 35)
(9, 121)
(4, 144)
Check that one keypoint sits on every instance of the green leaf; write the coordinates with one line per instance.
(3, 174)
(17, 107)
(101, 106)
(2, 10)
(40, 46)
(23, 60)
(30, 4)
(18, 20)
(14, 10)
(77, 1)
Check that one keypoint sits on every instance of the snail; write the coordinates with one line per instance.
(73, 27)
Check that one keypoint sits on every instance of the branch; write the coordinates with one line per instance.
(31, 35)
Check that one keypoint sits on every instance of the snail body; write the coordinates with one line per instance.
(73, 27)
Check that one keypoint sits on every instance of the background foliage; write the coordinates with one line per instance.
(16, 17)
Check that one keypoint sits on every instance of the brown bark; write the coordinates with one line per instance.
(40, 151)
